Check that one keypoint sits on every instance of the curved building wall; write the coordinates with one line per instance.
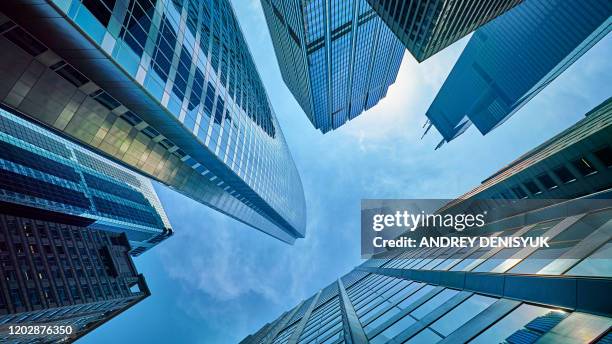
(168, 88)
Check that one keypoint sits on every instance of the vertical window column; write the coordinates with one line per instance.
(352, 327)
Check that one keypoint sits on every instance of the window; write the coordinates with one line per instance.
(511, 323)
(105, 99)
(564, 174)
(584, 166)
(506, 195)
(101, 9)
(131, 118)
(434, 303)
(393, 330)
(462, 313)
(597, 264)
(150, 132)
(605, 156)
(136, 25)
(532, 187)
(547, 181)
(426, 336)
(71, 75)
(380, 320)
(518, 191)
(25, 41)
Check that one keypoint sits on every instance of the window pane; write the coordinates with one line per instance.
(393, 330)
(584, 166)
(510, 324)
(424, 337)
(434, 303)
(414, 297)
(605, 156)
(381, 319)
(564, 174)
(462, 313)
(598, 264)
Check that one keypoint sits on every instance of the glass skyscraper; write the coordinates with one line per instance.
(168, 88)
(511, 59)
(555, 294)
(426, 27)
(337, 57)
(41, 172)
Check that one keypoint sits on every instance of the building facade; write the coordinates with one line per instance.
(554, 294)
(46, 172)
(510, 60)
(575, 163)
(58, 274)
(426, 27)
(337, 58)
(167, 88)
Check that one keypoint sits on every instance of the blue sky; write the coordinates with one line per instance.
(218, 280)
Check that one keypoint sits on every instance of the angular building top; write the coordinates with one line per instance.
(168, 88)
(426, 27)
(43, 172)
(510, 60)
(338, 58)
(487, 294)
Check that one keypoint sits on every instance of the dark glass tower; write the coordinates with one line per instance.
(338, 58)
(168, 88)
(508, 61)
(426, 27)
(58, 274)
(555, 294)
(46, 172)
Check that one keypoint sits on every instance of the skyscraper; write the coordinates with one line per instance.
(426, 27)
(510, 60)
(167, 88)
(41, 172)
(338, 58)
(489, 295)
(58, 274)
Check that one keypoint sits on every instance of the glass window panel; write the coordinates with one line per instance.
(374, 311)
(393, 330)
(381, 319)
(426, 336)
(597, 264)
(510, 323)
(605, 156)
(538, 260)
(434, 303)
(414, 297)
(462, 314)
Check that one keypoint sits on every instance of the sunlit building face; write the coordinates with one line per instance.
(167, 88)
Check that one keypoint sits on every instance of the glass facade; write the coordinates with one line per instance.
(337, 57)
(62, 274)
(549, 172)
(168, 88)
(426, 27)
(488, 84)
(554, 294)
(42, 170)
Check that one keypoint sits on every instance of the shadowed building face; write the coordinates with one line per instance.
(338, 58)
(508, 61)
(426, 27)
